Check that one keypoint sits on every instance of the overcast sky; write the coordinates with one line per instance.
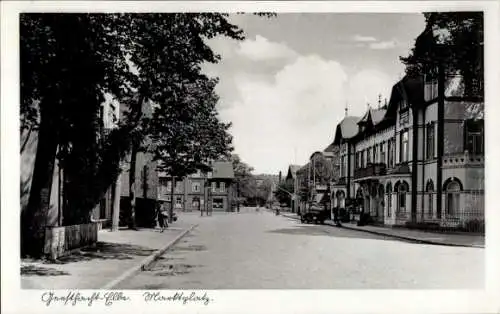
(286, 86)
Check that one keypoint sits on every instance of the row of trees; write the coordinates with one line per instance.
(249, 189)
(69, 62)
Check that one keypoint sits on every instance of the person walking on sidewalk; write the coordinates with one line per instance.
(162, 215)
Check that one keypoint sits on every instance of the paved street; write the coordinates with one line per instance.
(258, 250)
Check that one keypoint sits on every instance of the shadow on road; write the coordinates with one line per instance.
(105, 251)
(34, 270)
(338, 232)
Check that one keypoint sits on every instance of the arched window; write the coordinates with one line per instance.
(453, 188)
(402, 189)
(430, 198)
(340, 199)
(388, 190)
(380, 190)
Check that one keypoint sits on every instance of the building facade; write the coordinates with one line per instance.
(418, 160)
(214, 191)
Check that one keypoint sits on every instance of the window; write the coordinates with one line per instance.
(474, 136)
(195, 203)
(404, 149)
(430, 141)
(342, 166)
(404, 104)
(430, 199)
(388, 190)
(382, 153)
(196, 186)
(374, 156)
(168, 198)
(402, 189)
(178, 186)
(452, 197)
(218, 203)
(222, 186)
(169, 186)
(178, 202)
(404, 118)
(369, 155)
(214, 187)
(391, 152)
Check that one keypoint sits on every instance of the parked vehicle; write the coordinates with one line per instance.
(315, 214)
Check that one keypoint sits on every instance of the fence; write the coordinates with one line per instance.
(61, 240)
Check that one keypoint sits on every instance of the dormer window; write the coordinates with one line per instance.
(403, 105)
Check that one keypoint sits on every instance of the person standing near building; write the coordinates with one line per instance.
(162, 215)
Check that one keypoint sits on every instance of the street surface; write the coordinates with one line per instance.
(258, 250)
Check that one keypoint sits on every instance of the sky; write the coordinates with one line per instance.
(286, 86)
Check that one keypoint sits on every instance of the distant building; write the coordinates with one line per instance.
(215, 190)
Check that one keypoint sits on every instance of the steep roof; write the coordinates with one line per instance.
(222, 170)
(329, 148)
(373, 116)
(292, 171)
(347, 128)
(377, 115)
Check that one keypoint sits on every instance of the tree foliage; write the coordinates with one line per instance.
(281, 192)
(454, 40)
(70, 61)
(245, 181)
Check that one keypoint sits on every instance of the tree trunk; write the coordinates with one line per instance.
(34, 217)
(171, 210)
(133, 160)
(116, 204)
(131, 184)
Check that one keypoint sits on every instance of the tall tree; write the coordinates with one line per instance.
(283, 192)
(68, 62)
(187, 134)
(242, 174)
(455, 41)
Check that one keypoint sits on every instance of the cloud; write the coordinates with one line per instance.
(362, 38)
(280, 114)
(382, 45)
(364, 87)
(262, 49)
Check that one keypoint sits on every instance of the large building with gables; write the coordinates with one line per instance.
(418, 159)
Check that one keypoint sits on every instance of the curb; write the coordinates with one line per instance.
(400, 237)
(147, 261)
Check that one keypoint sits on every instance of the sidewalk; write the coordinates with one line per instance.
(116, 254)
(438, 238)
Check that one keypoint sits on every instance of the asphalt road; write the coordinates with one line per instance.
(258, 250)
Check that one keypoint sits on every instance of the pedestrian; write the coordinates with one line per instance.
(336, 219)
(162, 218)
